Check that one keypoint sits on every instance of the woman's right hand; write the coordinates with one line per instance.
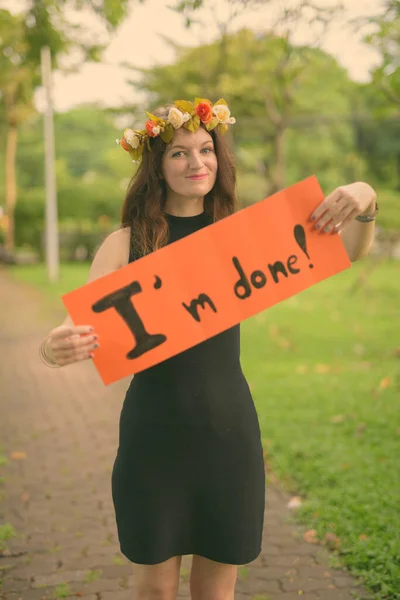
(69, 343)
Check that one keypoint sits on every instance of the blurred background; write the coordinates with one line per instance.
(315, 88)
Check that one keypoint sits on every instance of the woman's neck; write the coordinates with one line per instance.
(184, 207)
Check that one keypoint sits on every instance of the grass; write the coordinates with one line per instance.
(324, 369)
(7, 532)
(62, 590)
(93, 575)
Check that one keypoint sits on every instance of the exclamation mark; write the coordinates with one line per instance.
(300, 237)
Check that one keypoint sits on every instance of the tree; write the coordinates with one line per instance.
(386, 39)
(21, 38)
(17, 81)
(272, 85)
(46, 24)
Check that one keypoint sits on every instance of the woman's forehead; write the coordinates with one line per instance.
(189, 138)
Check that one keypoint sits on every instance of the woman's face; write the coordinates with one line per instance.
(189, 164)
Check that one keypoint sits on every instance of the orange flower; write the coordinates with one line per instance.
(125, 144)
(153, 129)
(204, 111)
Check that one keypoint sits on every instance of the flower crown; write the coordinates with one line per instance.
(182, 114)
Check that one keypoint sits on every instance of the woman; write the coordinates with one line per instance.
(189, 474)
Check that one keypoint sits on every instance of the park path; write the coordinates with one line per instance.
(58, 431)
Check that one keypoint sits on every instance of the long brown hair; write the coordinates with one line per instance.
(143, 207)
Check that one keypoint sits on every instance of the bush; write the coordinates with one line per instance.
(79, 239)
(389, 209)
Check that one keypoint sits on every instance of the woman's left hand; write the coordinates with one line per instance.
(342, 205)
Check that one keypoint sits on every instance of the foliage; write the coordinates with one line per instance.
(386, 39)
(376, 124)
(17, 79)
(46, 25)
(248, 78)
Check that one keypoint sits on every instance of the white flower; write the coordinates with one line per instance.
(175, 117)
(186, 117)
(132, 138)
(222, 113)
(157, 130)
(118, 142)
(232, 120)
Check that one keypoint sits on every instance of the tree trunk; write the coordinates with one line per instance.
(11, 186)
(279, 158)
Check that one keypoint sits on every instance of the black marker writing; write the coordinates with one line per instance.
(193, 307)
(121, 301)
(300, 237)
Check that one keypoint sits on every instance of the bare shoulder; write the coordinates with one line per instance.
(112, 254)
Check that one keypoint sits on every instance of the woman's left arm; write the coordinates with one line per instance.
(338, 212)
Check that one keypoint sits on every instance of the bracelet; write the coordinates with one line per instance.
(368, 218)
(45, 359)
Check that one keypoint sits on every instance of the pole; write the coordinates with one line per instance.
(51, 216)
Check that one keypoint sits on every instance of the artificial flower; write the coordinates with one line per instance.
(150, 127)
(223, 114)
(176, 118)
(132, 138)
(204, 111)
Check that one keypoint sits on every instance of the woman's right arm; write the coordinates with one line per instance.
(71, 343)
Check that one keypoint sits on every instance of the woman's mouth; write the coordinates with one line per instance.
(197, 177)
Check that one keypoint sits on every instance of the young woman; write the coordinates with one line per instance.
(189, 476)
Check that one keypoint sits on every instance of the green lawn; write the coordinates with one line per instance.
(324, 368)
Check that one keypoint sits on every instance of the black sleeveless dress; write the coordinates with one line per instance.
(189, 473)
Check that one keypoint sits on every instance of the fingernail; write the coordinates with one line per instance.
(97, 345)
(313, 218)
(326, 229)
(318, 226)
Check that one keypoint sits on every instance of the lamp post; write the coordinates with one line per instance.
(51, 213)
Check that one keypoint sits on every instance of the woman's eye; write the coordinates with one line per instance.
(206, 150)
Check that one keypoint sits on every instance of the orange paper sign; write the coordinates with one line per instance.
(203, 284)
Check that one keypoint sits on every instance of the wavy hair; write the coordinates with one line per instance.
(143, 207)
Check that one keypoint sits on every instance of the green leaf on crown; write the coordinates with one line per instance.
(193, 124)
(212, 124)
(136, 153)
(222, 128)
(198, 101)
(221, 101)
(154, 118)
(167, 134)
(185, 106)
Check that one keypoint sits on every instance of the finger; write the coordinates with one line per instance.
(78, 351)
(68, 330)
(337, 219)
(74, 342)
(331, 214)
(325, 204)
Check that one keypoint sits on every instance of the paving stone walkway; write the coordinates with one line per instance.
(58, 432)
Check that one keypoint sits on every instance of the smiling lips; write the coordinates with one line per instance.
(197, 177)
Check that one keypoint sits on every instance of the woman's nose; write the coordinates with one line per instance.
(195, 160)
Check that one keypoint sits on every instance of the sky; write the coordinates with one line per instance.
(139, 41)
